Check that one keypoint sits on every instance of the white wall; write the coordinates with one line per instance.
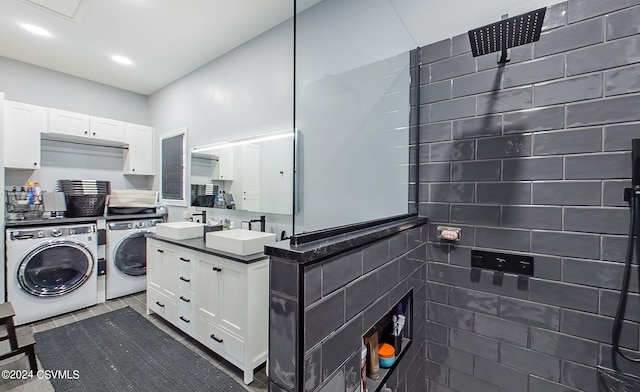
(246, 92)
(434, 20)
(27, 83)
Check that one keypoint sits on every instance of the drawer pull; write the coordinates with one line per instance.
(217, 269)
(185, 299)
(185, 260)
(184, 319)
(182, 278)
(159, 250)
(216, 339)
(159, 304)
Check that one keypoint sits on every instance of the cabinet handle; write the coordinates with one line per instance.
(182, 278)
(86, 132)
(133, 169)
(35, 163)
(217, 269)
(185, 260)
(184, 319)
(159, 304)
(185, 299)
(159, 250)
(216, 339)
(94, 134)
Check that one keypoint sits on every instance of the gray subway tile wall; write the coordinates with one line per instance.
(539, 169)
(360, 287)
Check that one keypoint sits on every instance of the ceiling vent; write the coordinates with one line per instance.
(67, 9)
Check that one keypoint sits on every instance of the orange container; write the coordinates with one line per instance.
(387, 355)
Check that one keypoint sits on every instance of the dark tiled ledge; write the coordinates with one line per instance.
(333, 245)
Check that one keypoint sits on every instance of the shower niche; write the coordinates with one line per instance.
(385, 331)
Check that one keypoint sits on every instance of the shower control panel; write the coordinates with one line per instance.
(504, 262)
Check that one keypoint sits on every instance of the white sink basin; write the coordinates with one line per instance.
(180, 230)
(239, 241)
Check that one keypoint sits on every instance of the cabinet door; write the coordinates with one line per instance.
(68, 123)
(155, 256)
(106, 129)
(233, 297)
(251, 177)
(208, 284)
(140, 155)
(225, 163)
(22, 126)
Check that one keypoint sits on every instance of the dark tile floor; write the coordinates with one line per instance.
(136, 302)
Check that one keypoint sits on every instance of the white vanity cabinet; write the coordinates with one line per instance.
(222, 303)
(23, 124)
(139, 158)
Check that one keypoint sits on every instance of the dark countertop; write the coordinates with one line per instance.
(50, 222)
(132, 217)
(198, 244)
(68, 221)
(312, 252)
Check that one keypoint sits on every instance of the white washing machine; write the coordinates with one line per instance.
(51, 270)
(126, 254)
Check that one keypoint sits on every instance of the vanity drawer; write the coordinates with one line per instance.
(185, 321)
(185, 261)
(186, 280)
(220, 341)
(186, 301)
(160, 304)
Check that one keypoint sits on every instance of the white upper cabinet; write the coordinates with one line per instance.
(23, 124)
(68, 123)
(106, 129)
(78, 125)
(225, 165)
(139, 159)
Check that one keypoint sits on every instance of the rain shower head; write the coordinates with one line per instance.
(508, 33)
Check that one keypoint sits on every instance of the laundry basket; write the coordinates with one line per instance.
(85, 205)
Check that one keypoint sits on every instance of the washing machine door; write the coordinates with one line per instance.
(55, 268)
(130, 254)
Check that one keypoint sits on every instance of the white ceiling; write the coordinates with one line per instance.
(165, 39)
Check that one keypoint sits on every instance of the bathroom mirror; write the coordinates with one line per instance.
(252, 174)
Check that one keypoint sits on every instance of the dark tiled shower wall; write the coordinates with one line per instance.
(342, 298)
(531, 158)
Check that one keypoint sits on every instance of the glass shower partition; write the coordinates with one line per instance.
(355, 140)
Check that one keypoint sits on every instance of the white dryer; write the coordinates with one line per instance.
(51, 270)
(126, 254)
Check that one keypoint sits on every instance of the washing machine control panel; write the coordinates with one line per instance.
(52, 232)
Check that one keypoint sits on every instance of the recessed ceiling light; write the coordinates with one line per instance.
(121, 59)
(35, 29)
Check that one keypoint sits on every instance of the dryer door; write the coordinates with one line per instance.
(55, 268)
(130, 255)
